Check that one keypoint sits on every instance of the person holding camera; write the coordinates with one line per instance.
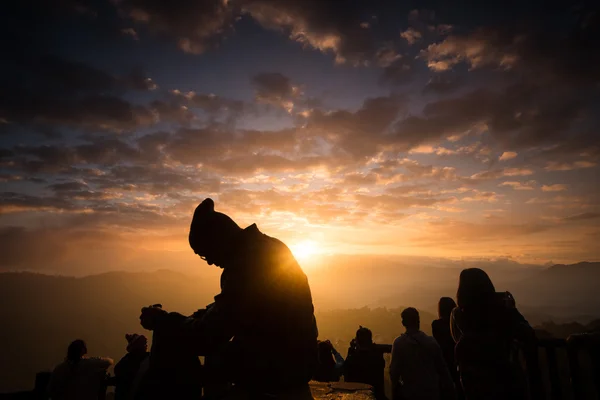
(365, 362)
(486, 326)
(265, 297)
(331, 363)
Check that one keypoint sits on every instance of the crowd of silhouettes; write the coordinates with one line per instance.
(264, 313)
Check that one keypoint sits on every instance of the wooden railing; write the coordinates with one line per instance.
(575, 345)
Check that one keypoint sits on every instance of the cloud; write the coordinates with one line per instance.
(507, 155)
(214, 106)
(319, 25)
(582, 217)
(555, 188)
(443, 84)
(449, 231)
(277, 89)
(479, 49)
(568, 166)
(517, 172)
(130, 32)
(411, 36)
(363, 132)
(196, 26)
(63, 92)
(529, 185)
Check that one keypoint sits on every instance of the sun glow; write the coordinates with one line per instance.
(305, 250)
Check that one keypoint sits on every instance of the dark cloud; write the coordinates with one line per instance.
(216, 107)
(443, 84)
(321, 25)
(275, 88)
(68, 187)
(582, 217)
(360, 133)
(58, 74)
(195, 25)
(533, 46)
(400, 72)
(519, 116)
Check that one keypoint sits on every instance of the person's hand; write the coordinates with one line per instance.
(149, 316)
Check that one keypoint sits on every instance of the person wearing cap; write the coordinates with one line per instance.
(264, 310)
(129, 370)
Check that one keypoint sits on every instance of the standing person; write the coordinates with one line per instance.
(129, 370)
(418, 370)
(331, 363)
(485, 327)
(264, 297)
(174, 369)
(440, 329)
(78, 377)
(365, 363)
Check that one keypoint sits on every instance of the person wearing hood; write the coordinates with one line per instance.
(264, 309)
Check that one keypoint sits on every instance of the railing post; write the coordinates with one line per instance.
(555, 386)
(573, 346)
(536, 388)
(595, 356)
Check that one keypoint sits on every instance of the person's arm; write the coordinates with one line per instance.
(521, 330)
(395, 369)
(216, 325)
(339, 362)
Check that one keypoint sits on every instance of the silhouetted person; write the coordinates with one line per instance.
(78, 377)
(418, 370)
(485, 326)
(331, 363)
(265, 307)
(365, 363)
(440, 329)
(130, 369)
(174, 369)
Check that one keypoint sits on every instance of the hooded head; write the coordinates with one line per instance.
(475, 289)
(212, 234)
(136, 343)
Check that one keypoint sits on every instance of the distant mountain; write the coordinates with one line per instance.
(41, 314)
(566, 289)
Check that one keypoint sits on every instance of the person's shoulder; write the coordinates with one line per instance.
(399, 341)
(60, 367)
(430, 339)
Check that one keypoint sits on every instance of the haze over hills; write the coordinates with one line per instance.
(46, 312)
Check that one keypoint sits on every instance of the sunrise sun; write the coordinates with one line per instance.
(305, 250)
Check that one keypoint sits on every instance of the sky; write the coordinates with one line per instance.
(458, 129)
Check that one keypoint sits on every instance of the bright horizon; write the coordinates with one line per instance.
(339, 130)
